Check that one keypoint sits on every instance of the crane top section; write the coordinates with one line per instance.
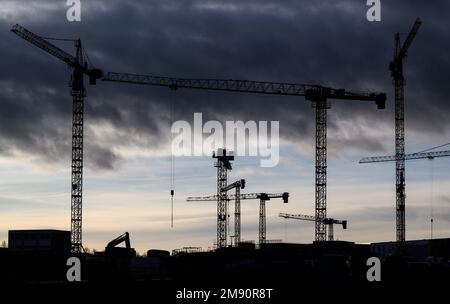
(268, 196)
(298, 217)
(419, 155)
(224, 157)
(310, 92)
(401, 51)
(238, 184)
(50, 48)
(44, 45)
(245, 196)
(314, 93)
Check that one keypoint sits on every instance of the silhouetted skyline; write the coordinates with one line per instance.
(127, 181)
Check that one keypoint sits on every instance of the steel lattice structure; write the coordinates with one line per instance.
(321, 169)
(419, 155)
(78, 93)
(238, 185)
(396, 68)
(317, 94)
(326, 221)
(263, 197)
(223, 164)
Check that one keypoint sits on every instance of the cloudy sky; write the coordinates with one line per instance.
(127, 138)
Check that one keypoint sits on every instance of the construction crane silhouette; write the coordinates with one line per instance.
(238, 185)
(418, 155)
(78, 93)
(318, 95)
(263, 197)
(412, 156)
(223, 165)
(327, 221)
(396, 68)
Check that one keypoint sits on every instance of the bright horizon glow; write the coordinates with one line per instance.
(136, 199)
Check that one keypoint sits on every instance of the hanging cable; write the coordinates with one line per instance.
(59, 39)
(431, 196)
(172, 161)
(285, 230)
(429, 149)
(87, 58)
(228, 218)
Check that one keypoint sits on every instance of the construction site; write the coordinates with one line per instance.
(34, 256)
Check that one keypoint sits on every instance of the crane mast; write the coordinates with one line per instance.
(396, 68)
(223, 165)
(238, 185)
(78, 94)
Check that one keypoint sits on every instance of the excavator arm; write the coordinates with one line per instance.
(124, 238)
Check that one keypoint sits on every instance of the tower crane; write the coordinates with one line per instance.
(318, 95)
(263, 197)
(419, 155)
(223, 165)
(327, 221)
(396, 68)
(238, 185)
(78, 93)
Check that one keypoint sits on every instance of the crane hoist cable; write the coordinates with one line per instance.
(172, 157)
(59, 39)
(72, 40)
(429, 149)
(285, 229)
(431, 196)
(432, 185)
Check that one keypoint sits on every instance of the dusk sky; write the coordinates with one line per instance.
(127, 127)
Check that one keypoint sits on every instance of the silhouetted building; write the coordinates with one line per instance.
(54, 241)
(437, 248)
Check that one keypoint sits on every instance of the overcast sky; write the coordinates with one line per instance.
(127, 173)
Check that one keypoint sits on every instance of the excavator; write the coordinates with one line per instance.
(112, 251)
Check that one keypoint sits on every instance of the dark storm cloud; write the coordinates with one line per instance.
(324, 42)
